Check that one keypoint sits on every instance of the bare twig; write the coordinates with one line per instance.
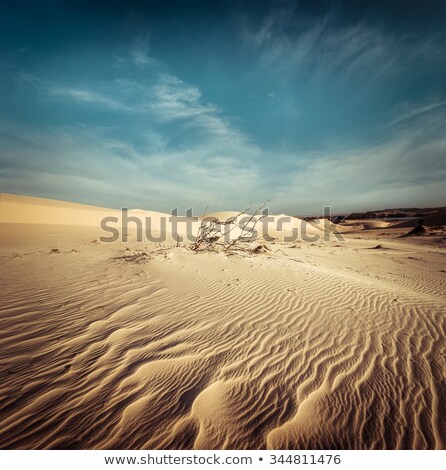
(211, 231)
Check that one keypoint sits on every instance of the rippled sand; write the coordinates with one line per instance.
(326, 345)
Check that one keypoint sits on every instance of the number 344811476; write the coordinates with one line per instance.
(305, 459)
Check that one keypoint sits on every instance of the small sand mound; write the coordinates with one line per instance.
(417, 231)
(135, 256)
(258, 248)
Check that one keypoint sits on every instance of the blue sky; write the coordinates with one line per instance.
(159, 105)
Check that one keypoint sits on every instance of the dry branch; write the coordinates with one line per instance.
(212, 231)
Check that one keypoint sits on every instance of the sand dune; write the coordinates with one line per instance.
(429, 220)
(27, 209)
(223, 216)
(36, 210)
(285, 227)
(281, 226)
(325, 224)
(369, 224)
(33, 210)
(310, 345)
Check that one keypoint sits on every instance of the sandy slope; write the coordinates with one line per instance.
(310, 345)
(429, 220)
(369, 224)
(35, 210)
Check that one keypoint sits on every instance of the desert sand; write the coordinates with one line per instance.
(143, 345)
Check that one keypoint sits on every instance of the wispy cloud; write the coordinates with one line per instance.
(139, 51)
(173, 99)
(406, 169)
(88, 96)
(217, 159)
(149, 137)
(326, 47)
(410, 111)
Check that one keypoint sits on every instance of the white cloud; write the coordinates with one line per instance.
(173, 99)
(327, 48)
(409, 111)
(136, 158)
(88, 96)
(173, 147)
(408, 167)
(139, 51)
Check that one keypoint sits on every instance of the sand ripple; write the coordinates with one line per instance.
(197, 351)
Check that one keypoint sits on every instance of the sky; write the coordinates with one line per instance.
(181, 104)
